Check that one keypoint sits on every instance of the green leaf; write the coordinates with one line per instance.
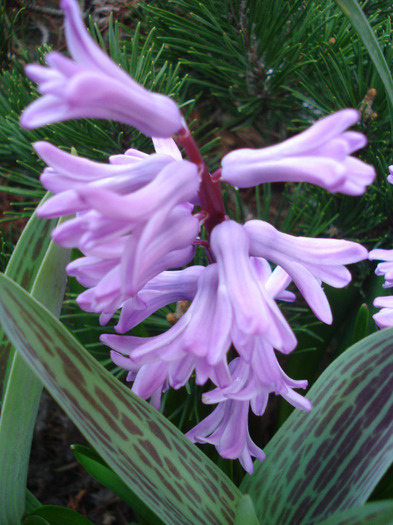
(245, 512)
(359, 21)
(22, 268)
(31, 502)
(361, 324)
(332, 458)
(22, 395)
(379, 513)
(96, 467)
(149, 454)
(56, 515)
(35, 520)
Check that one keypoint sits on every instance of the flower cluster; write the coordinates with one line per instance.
(136, 224)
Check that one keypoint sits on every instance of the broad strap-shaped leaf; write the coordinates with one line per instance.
(22, 268)
(331, 458)
(22, 395)
(375, 513)
(245, 512)
(148, 453)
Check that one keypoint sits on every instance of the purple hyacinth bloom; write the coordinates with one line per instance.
(134, 260)
(320, 155)
(254, 311)
(227, 429)
(307, 261)
(135, 225)
(133, 218)
(253, 381)
(93, 86)
(227, 426)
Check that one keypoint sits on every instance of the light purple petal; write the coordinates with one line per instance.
(176, 183)
(307, 261)
(319, 155)
(167, 147)
(380, 254)
(255, 312)
(162, 290)
(95, 87)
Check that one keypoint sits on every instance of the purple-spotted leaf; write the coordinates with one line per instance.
(23, 392)
(375, 513)
(332, 458)
(245, 512)
(177, 481)
(22, 268)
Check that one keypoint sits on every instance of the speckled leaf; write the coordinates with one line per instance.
(148, 453)
(22, 395)
(245, 512)
(331, 458)
(22, 268)
(376, 513)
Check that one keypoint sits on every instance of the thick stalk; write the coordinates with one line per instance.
(209, 190)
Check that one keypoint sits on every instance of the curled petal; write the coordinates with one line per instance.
(307, 261)
(168, 287)
(227, 429)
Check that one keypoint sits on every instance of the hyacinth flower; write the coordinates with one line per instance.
(325, 145)
(226, 427)
(92, 86)
(308, 262)
(153, 190)
(137, 227)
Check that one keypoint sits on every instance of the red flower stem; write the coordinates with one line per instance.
(209, 190)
